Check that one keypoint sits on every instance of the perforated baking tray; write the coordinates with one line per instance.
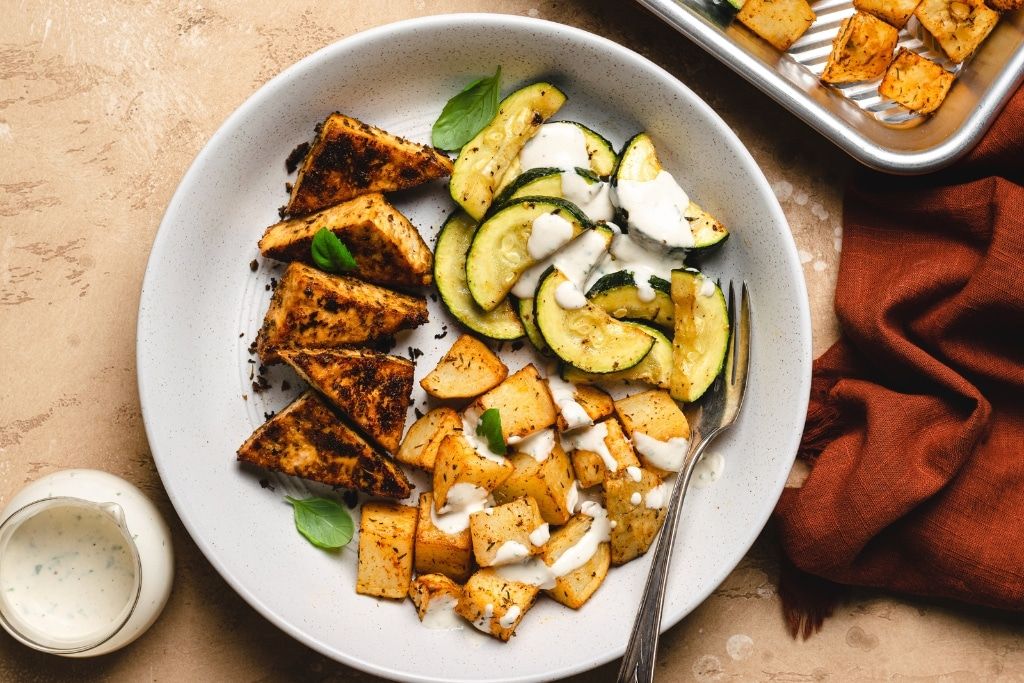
(872, 129)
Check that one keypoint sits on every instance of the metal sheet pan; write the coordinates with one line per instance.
(871, 129)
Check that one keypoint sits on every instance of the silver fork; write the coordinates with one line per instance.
(716, 410)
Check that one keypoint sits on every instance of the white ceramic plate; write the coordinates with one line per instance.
(199, 296)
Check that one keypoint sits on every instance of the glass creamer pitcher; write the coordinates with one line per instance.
(86, 564)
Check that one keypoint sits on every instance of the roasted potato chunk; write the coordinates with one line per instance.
(503, 534)
(419, 447)
(371, 389)
(467, 370)
(349, 158)
(958, 25)
(656, 415)
(1006, 5)
(387, 248)
(780, 22)
(523, 401)
(458, 463)
(386, 535)
(576, 587)
(894, 12)
(915, 82)
(438, 552)
(489, 601)
(548, 481)
(313, 310)
(430, 592)
(307, 440)
(589, 464)
(595, 402)
(861, 51)
(636, 524)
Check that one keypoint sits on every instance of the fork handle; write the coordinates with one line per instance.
(638, 661)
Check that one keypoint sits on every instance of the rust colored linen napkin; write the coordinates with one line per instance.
(915, 429)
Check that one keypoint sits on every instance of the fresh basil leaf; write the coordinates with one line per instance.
(467, 113)
(322, 521)
(330, 253)
(489, 427)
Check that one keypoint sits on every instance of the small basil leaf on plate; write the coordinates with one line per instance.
(330, 253)
(490, 428)
(467, 113)
(322, 521)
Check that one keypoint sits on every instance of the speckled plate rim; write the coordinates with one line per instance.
(360, 41)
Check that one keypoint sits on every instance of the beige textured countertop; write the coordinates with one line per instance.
(104, 103)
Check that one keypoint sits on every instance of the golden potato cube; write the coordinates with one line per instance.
(488, 601)
(419, 447)
(430, 592)
(780, 22)
(1006, 5)
(958, 25)
(894, 12)
(590, 467)
(635, 524)
(915, 82)
(576, 587)
(387, 532)
(438, 552)
(512, 524)
(861, 51)
(458, 463)
(548, 482)
(467, 370)
(597, 404)
(523, 401)
(655, 414)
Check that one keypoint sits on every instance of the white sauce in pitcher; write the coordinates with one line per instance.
(68, 572)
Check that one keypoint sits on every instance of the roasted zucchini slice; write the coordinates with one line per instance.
(639, 163)
(655, 368)
(701, 334)
(618, 294)
(525, 309)
(500, 250)
(581, 333)
(483, 161)
(450, 275)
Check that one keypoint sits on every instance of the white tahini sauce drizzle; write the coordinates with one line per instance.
(440, 614)
(549, 233)
(537, 573)
(569, 296)
(538, 446)
(591, 439)
(68, 573)
(629, 255)
(575, 261)
(470, 421)
(658, 497)
(509, 618)
(540, 535)
(708, 469)
(707, 286)
(463, 500)
(510, 552)
(635, 498)
(634, 472)
(563, 146)
(572, 496)
(483, 622)
(665, 455)
(564, 395)
(657, 210)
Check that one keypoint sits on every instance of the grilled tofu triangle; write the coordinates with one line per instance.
(387, 247)
(308, 440)
(311, 309)
(371, 389)
(349, 158)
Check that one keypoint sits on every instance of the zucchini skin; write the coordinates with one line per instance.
(654, 369)
(617, 294)
(701, 322)
(450, 253)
